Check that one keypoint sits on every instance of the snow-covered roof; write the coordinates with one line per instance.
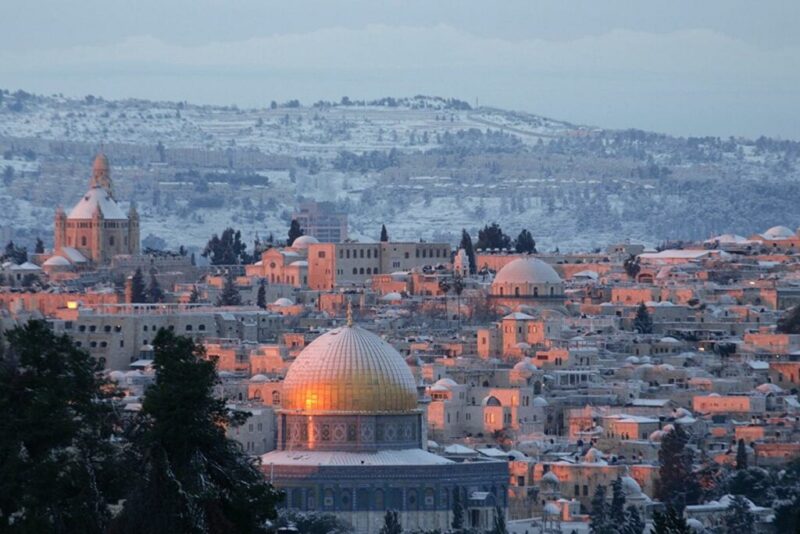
(97, 197)
(56, 261)
(73, 255)
(26, 266)
(409, 457)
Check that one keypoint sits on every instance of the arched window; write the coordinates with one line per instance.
(369, 270)
(355, 270)
(361, 271)
(552, 291)
(516, 291)
(111, 240)
(83, 241)
(535, 291)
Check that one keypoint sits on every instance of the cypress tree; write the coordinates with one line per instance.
(499, 522)
(678, 484)
(525, 243)
(671, 521)
(39, 249)
(599, 517)
(458, 512)
(466, 244)
(193, 478)
(138, 289)
(617, 510)
(739, 518)
(154, 292)
(194, 296)
(229, 296)
(261, 297)
(294, 232)
(633, 523)
(643, 323)
(741, 455)
(384, 234)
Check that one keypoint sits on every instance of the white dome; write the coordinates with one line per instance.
(632, 359)
(695, 525)
(394, 295)
(259, 378)
(768, 388)
(540, 402)
(527, 271)
(116, 376)
(283, 302)
(56, 261)
(779, 232)
(97, 197)
(593, 455)
(304, 241)
(446, 383)
(525, 366)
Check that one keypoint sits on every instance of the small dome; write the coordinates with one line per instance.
(446, 383)
(302, 242)
(657, 435)
(394, 295)
(349, 370)
(56, 261)
(259, 378)
(527, 271)
(695, 525)
(632, 359)
(116, 376)
(768, 388)
(525, 366)
(593, 455)
(551, 478)
(283, 302)
(778, 233)
(540, 402)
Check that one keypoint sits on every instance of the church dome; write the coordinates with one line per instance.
(527, 271)
(779, 232)
(349, 370)
(97, 198)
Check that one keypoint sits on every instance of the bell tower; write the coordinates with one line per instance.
(101, 173)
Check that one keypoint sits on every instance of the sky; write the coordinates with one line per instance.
(711, 67)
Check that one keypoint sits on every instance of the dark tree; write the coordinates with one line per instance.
(499, 522)
(466, 244)
(18, 255)
(391, 523)
(790, 322)
(600, 522)
(525, 243)
(678, 485)
(492, 236)
(384, 234)
(312, 522)
(631, 266)
(294, 232)
(138, 289)
(154, 291)
(192, 477)
(458, 512)
(633, 523)
(39, 249)
(643, 323)
(617, 510)
(229, 296)
(261, 297)
(739, 518)
(227, 249)
(60, 469)
(194, 296)
(671, 521)
(741, 455)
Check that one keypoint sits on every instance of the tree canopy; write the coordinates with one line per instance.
(228, 249)
(492, 236)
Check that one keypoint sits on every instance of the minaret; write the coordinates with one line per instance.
(133, 229)
(101, 174)
(60, 230)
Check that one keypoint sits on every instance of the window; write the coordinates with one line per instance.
(188, 328)
(82, 328)
(111, 240)
(93, 344)
(321, 254)
(103, 344)
(92, 328)
(361, 271)
(202, 327)
(107, 328)
(355, 270)
(83, 241)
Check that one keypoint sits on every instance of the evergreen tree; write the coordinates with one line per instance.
(294, 232)
(678, 485)
(261, 297)
(229, 296)
(739, 518)
(138, 289)
(617, 510)
(13, 253)
(154, 291)
(525, 243)
(458, 512)
(492, 236)
(194, 296)
(466, 244)
(643, 323)
(633, 522)
(671, 521)
(384, 234)
(60, 469)
(193, 478)
(39, 249)
(391, 523)
(499, 522)
(228, 249)
(631, 266)
(790, 322)
(600, 522)
(741, 455)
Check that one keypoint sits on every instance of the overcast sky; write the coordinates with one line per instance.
(711, 67)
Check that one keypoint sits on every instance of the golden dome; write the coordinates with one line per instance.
(349, 370)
